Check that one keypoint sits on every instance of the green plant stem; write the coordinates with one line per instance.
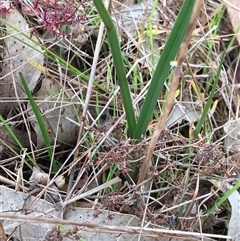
(118, 61)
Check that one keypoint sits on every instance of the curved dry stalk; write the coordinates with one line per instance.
(170, 99)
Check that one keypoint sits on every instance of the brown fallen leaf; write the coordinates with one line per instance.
(233, 8)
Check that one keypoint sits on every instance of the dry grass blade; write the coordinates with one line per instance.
(2, 232)
(174, 196)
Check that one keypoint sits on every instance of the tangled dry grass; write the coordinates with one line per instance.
(179, 190)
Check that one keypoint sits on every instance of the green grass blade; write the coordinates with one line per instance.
(169, 53)
(209, 101)
(9, 129)
(208, 105)
(221, 201)
(118, 62)
(40, 122)
(224, 198)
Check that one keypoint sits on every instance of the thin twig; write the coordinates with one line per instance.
(91, 227)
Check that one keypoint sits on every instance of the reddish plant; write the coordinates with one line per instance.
(5, 10)
(52, 14)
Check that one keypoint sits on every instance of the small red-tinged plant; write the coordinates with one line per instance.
(6, 10)
(52, 14)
